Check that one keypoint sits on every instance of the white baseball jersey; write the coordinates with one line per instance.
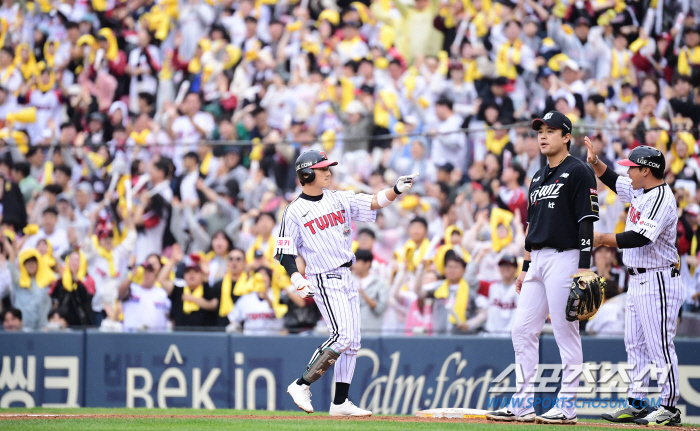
(653, 213)
(655, 296)
(146, 309)
(319, 228)
(256, 315)
(501, 302)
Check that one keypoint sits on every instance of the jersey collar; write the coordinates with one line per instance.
(311, 198)
(660, 185)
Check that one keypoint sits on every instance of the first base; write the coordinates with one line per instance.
(451, 414)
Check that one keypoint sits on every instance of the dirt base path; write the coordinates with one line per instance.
(28, 416)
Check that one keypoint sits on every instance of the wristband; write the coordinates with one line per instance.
(526, 265)
(396, 190)
(382, 200)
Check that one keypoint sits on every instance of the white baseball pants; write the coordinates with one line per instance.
(339, 302)
(653, 301)
(544, 293)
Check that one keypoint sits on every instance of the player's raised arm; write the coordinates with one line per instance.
(608, 176)
(384, 198)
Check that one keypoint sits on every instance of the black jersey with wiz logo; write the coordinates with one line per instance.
(559, 198)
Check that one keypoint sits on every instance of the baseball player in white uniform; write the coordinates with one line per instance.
(318, 227)
(655, 292)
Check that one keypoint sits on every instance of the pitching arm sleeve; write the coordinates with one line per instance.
(585, 239)
(289, 264)
(631, 239)
(609, 178)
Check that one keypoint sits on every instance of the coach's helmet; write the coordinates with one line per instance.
(646, 157)
(307, 162)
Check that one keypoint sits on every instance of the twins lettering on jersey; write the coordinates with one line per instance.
(550, 191)
(644, 223)
(505, 305)
(156, 304)
(261, 316)
(102, 273)
(634, 215)
(328, 220)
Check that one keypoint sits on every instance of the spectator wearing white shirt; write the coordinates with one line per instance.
(143, 65)
(10, 77)
(188, 189)
(194, 19)
(352, 47)
(151, 215)
(447, 145)
(609, 321)
(56, 237)
(107, 264)
(189, 128)
(496, 302)
(146, 306)
(254, 312)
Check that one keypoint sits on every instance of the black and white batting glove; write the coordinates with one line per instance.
(404, 183)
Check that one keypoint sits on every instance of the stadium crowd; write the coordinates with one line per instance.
(147, 151)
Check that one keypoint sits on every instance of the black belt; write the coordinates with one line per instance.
(636, 271)
(558, 250)
(346, 264)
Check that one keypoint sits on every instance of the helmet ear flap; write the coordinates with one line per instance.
(307, 176)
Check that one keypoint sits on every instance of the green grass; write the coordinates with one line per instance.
(214, 424)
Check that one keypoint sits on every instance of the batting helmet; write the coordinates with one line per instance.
(307, 162)
(646, 157)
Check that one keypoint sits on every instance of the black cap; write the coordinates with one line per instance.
(364, 255)
(447, 167)
(646, 157)
(555, 120)
(193, 267)
(692, 29)
(507, 259)
(313, 159)
(582, 21)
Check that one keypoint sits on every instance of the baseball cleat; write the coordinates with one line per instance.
(347, 409)
(301, 396)
(555, 416)
(661, 417)
(505, 415)
(625, 414)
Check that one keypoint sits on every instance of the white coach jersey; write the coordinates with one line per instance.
(653, 213)
(319, 228)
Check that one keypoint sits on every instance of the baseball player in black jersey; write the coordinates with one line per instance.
(655, 292)
(318, 227)
(563, 206)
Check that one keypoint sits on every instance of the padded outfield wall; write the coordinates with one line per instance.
(394, 375)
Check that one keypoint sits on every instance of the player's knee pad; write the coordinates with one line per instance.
(322, 363)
